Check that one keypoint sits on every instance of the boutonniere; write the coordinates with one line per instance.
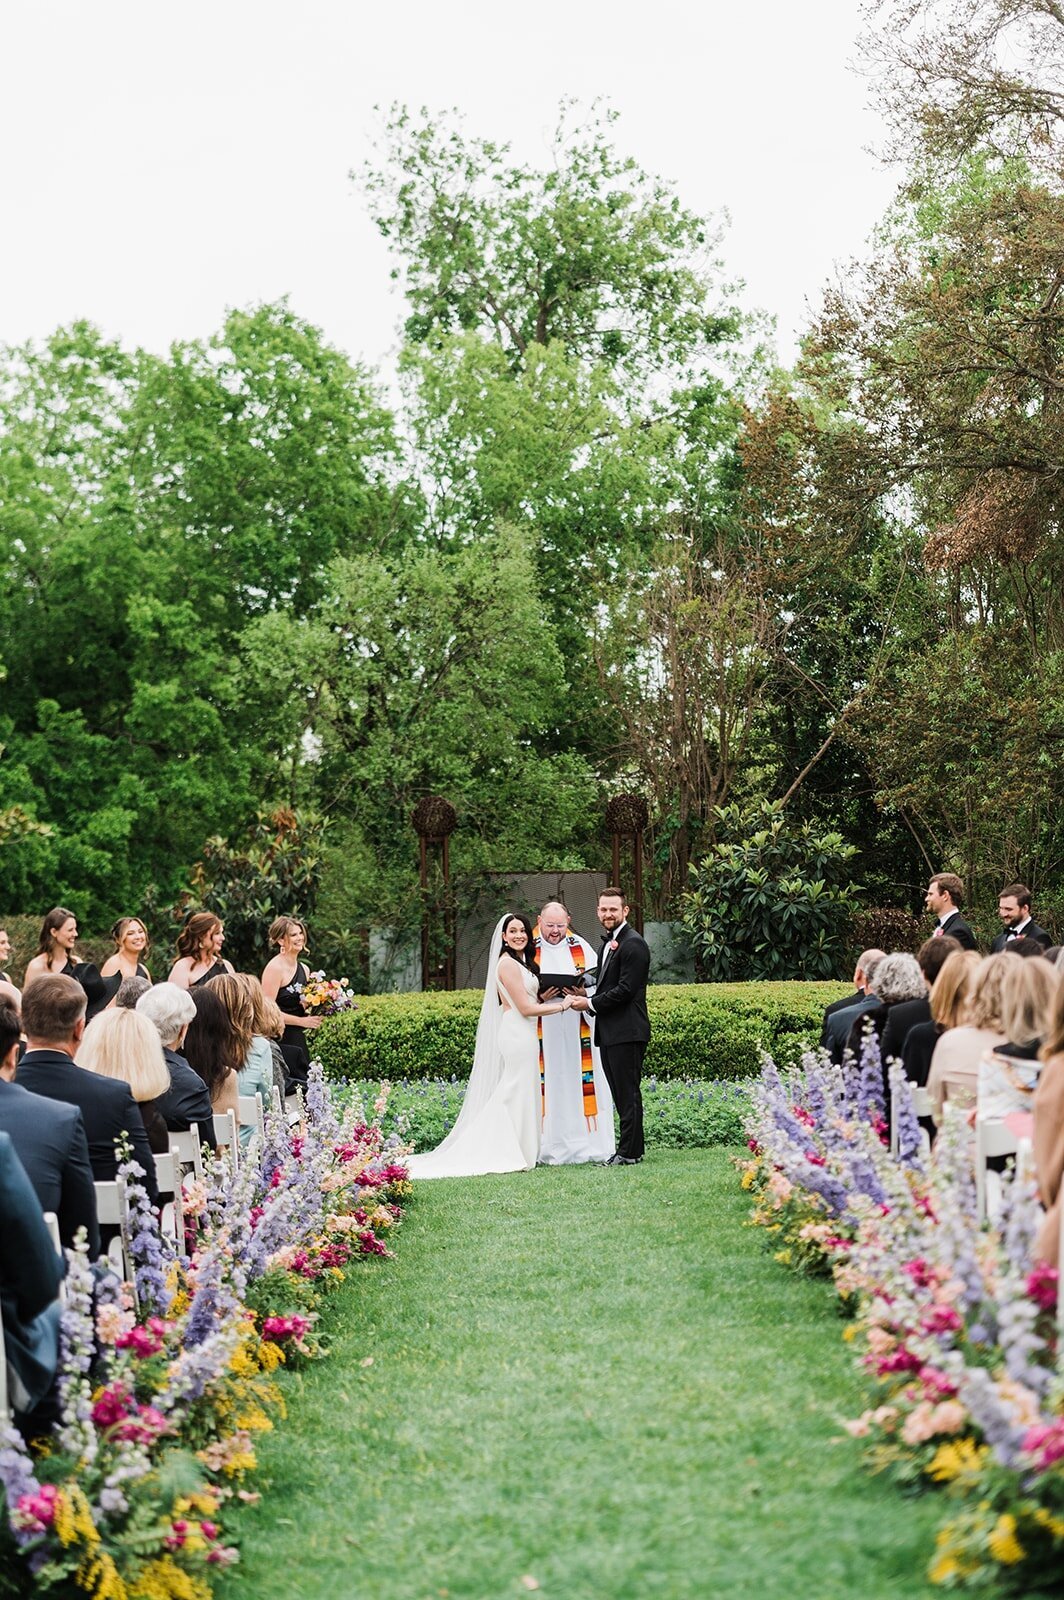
(613, 944)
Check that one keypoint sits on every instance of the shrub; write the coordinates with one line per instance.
(886, 928)
(772, 899)
(698, 1030)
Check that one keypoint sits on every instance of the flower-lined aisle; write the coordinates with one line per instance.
(163, 1390)
(954, 1327)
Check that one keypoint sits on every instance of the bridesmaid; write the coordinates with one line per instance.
(199, 951)
(131, 942)
(55, 949)
(283, 979)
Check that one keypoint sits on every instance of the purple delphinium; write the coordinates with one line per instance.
(198, 1366)
(1027, 1359)
(997, 1420)
(869, 1088)
(16, 1479)
(77, 1339)
(906, 1122)
(150, 1254)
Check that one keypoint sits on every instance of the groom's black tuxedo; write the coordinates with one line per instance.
(622, 1029)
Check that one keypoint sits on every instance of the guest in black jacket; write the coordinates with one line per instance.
(171, 1008)
(907, 1014)
(949, 999)
(1014, 909)
(945, 896)
(53, 1018)
(49, 1140)
(31, 1271)
(862, 977)
(897, 979)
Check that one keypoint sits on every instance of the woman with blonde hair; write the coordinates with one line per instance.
(955, 1064)
(1048, 1107)
(283, 979)
(131, 942)
(236, 991)
(121, 1044)
(1008, 1076)
(199, 951)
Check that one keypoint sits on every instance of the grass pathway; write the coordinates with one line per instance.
(596, 1380)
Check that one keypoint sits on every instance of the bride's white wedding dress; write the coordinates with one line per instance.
(498, 1128)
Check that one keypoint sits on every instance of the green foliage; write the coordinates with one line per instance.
(771, 900)
(704, 1031)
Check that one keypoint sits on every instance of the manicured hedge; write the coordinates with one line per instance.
(710, 1030)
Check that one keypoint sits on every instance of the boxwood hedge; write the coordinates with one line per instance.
(711, 1030)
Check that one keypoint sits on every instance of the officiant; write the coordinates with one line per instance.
(574, 1095)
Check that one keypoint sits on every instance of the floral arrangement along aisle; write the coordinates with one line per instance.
(954, 1326)
(165, 1382)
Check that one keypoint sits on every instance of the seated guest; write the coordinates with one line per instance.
(273, 1026)
(122, 1044)
(170, 1009)
(1014, 909)
(212, 1049)
(53, 1019)
(1009, 1075)
(31, 1271)
(199, 952)
(1025, 947)
(866, 959)
(49, 1139)
(1048, 1107)
(932, 957)
(898, 979)
(949, 996)
(837, 1026)
(955, 1064)
(131, 947)
(255, 1073)
(130, 991)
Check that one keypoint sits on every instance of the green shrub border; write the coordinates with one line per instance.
(711, 1030)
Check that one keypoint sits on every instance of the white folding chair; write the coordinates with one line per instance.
(294, 1109)
(923, 1106)
(992, 1138)
(253, 1114)
(111, 1213)
(172, 1213)
(226, 1135)
(189, 1149)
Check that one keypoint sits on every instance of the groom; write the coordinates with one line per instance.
(622, 1027)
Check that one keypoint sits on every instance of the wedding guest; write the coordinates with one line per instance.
(837, 1026)
(199, 951)
(861, 974)
(283, 980)
(897, 979)
(945, 897)
(1025, 947)
(5, 955)
(1009, 1075)
(124, 1045)
(170, 1009)
(131, 944)
(272, 1018)
(31, 1271)
(1048, 1138)
(1014, 909)
(907, 1014)
(49, 1139)
(53, 1019)
(949, 996)
(955, 1064)
(130, 991)
(55, 947)
(212, 1049)
(255, 1072)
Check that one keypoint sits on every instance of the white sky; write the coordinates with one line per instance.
(160, 162)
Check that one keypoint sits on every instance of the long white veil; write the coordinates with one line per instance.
(487, 1057)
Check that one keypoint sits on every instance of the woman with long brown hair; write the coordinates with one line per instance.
(199, 951)
(212, 1048)
(55, 947)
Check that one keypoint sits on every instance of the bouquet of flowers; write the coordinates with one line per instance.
(325, 997)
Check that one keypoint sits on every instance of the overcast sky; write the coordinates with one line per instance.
(161, 162)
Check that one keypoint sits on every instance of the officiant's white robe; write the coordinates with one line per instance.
(566, 1135)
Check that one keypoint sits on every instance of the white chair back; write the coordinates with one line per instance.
(189, 1149)
(172, 1215)
(992, 1138)
(253, 1115)
(111, 1213)
(923, 1106)
(226, 1135)
(294, 1108)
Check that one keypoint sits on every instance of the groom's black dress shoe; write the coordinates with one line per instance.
(622, 1161)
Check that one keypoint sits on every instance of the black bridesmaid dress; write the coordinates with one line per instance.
(294, 1040)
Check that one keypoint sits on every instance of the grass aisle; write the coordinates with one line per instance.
(598, 1380)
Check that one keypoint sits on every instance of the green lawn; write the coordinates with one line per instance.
(592, 1381)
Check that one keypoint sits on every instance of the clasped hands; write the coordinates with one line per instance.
(578, 1001)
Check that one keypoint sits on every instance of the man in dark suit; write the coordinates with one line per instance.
(905, 1016)
(1014, 909)
(622, 1026)
(861, 975)
(31, 1271)
(49, 1140)
(53, 1018)
(945, 896)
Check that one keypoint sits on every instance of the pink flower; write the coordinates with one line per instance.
(1043, 1286)
(36, 1512)
(1046, 1444)
(941, 1319)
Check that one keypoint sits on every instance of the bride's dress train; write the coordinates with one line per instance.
(498, 1127)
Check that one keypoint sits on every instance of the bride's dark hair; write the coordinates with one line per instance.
(525, 956)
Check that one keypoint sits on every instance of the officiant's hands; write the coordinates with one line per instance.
(550, 994)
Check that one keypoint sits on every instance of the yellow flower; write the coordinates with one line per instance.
(270, 1356)
(783, 1257)
(747, 1180)
(1003, 1543)
(99, 1575)
(943, 1568)
(164, 1580)
(960, 1456)
(1046, 1519)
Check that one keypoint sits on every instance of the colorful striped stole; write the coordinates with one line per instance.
(587, 1065)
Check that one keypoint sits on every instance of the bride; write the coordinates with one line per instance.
(498, 1127)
